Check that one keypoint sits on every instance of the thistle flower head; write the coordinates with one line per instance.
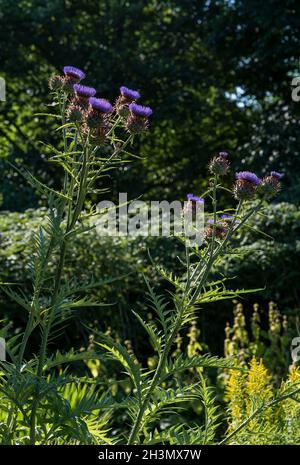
(223, 154)
(270, 185)
(194, 198)
(193, 205)
(140, 111)
(137, 120)
(220, 227)
(126, 97)
(276, 175)
(56, 82)
(97, 112)
(227, 219)
(75, 113)
(248, 176)
(219, 223)
(129, 94)
(73, 72)
(98, 134)
(219, 165)
(100, 104)
(246, 185)
(84, 91)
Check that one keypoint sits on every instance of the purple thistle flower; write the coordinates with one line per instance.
(129, 93)
(248, 176)
(84, 91)
(270, 185)
(219, 224)
(74, 72)
(223, 154)
(227, 220)
(139, 110)
(220, 229)
(193, 205)
(194, 198)
(276, 175)
(100, 104)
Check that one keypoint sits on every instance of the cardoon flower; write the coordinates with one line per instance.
(99, 109)
(221, 229)
(72, 76)
(56, 82)
(227, 219)
(270, 185)
(82, 95)
(223, 154)
(74, 73)
(246, 185)
(126, 97)
(194, 198)
(75, 113)
(137, 121)
(129, 94)
(248, 176)
(100, 105)
(219, 165)
(84, 91)
(193, 204)
(276, 175)
(98, 135)
(139, 110)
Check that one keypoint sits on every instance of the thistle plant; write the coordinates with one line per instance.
(192, 289)
(94, 140)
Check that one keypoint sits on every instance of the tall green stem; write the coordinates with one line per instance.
(213, 254)
(44, 342)
(155, 380)
(37, 291)
(57, 279)
(72, 216)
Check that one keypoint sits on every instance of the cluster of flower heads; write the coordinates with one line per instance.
(247, 186)
(95, 114)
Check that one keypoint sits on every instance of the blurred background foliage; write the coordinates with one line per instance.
(218, 76)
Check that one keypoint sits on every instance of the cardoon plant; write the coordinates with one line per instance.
(94, 138)
(154, 391)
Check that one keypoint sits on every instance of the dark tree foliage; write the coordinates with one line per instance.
(217, 74)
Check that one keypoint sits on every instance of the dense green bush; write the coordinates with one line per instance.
(267, 260)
